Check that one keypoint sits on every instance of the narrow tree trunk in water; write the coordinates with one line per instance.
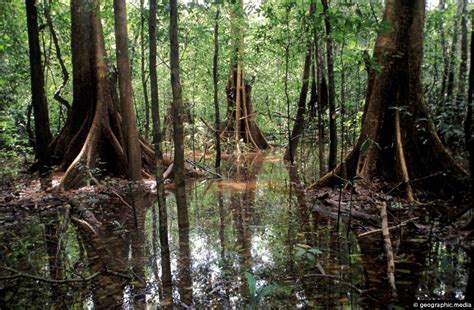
(215, 73)
(298, 126)
(143, 71)
(444, 46)
(178, 135)
(342, 111)
(130, 132)
(452, 62)
(321, 108)
(331, 87)
(469, 139)
(397, 87)
(166, 278)
(40, 106)
(461, 91)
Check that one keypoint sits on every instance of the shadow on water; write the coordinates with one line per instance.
(252, 240)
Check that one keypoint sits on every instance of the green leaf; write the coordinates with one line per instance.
(315, 251)
(265, 291)
(300, 252)
(251, 282)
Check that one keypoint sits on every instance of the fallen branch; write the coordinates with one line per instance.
(329, 209)
(209, 126)
(168, 171)
(199, 166)
(19, 274)
(390, 228)
(119, 197)
(75, 219)
(388, 249)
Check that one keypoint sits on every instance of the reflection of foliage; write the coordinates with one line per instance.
(256, 295)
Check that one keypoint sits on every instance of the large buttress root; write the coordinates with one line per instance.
(240, 124)
(398, 141)
(92, 136)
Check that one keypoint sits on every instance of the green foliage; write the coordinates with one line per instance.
(307, 252)
(271, 29)
(256, 295)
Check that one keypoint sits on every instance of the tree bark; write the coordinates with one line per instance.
(397, 88)
(469, 139)
(444, 45)
(143, 71)
(322, 104)
(92, 141)
(240, 120)
(299, 125)
(450, 86)
(331, 87)
(322, 114)
(40, 106)
(129, 126)
(215, 74)
(54, 37)
(178, 136)
(461, 97)
(166, 278)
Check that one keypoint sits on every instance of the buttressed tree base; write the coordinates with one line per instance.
(398, 141)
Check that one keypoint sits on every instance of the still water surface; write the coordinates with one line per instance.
(253, 238)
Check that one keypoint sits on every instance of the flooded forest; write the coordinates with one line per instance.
(236, 154)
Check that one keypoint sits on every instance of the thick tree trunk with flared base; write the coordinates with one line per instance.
(240, 120)
(240, 107)
(92, 137)
(398, 141)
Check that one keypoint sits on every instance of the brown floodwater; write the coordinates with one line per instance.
(253, 240)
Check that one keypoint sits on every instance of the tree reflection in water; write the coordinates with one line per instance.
(257, 220)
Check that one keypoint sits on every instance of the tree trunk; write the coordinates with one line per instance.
(92, 140)
(299, 125)
(40, 105)
(322, 107)
(143, 71)
(331, 87)
(444, 44)
(215, 74)
(166, 278)
(398, 142)
(129, 126)
(469, 139)
(322, 104)
(178, 136)
(452, 63)
(461, 97)
(240, 121)
(57, 93)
